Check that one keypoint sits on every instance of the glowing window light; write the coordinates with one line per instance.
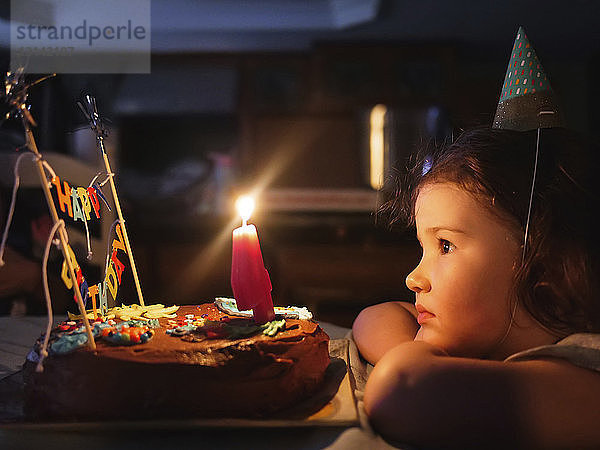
(377, 146)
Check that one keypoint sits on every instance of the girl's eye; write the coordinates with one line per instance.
(446, 246)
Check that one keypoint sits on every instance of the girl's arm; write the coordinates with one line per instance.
(416, 394)
(381, 327)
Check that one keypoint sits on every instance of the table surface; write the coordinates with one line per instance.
(17, 334)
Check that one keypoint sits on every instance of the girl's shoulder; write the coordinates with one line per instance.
(580, 349)
(542, 400)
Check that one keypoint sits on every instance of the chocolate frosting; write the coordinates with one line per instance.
(169, 376)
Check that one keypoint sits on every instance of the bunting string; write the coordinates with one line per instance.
(44, 350)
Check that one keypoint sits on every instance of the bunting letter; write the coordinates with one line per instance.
(85, 201)
(64, 196)
(94, 201)
(119, 266)
(77, 212)
(119, 244)
(64, 274)
(111, 281)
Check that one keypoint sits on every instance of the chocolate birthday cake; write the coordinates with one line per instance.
(196, 362)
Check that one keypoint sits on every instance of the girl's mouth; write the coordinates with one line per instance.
(423, 315)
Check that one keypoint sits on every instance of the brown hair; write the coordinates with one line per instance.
(558, 282)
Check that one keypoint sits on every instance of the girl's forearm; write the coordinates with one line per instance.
(381, 327)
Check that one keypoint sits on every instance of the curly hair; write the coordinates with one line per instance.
(558, 281)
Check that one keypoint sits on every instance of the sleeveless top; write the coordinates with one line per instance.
(580, 349)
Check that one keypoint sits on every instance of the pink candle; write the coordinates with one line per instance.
(250, 280)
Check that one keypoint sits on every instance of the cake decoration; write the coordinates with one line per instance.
(229, 306)
(127, 335)
(90, 111)
(221, 366)
(70, 335)
(127, 312)
(68, 342)
(232, 329)
(252, 364)
(16, 91)
(225, 328)
(78, 203)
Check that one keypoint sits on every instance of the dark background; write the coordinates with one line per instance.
(241, 91)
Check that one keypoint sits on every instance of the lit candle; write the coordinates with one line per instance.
(249, 279)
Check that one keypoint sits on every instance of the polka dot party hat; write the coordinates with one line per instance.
(527, 101)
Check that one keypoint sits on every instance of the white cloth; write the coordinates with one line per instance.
(580, 349)
(363, 437)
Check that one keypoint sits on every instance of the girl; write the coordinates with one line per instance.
(499, 348)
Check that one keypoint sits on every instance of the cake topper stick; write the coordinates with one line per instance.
(90, 111)
(16, 93)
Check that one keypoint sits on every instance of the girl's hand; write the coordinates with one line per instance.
(379, 328)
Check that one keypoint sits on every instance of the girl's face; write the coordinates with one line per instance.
(464, 279)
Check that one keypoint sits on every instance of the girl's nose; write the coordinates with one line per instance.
(417, 281)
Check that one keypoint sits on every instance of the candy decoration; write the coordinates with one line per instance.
(181, 330)
(127, 335)
(70, 336)
(148, 313)
(229, 306)
(225, 328)
(273, 327)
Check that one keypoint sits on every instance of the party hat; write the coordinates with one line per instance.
(527, 101)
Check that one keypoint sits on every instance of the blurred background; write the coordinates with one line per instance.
(306, 105)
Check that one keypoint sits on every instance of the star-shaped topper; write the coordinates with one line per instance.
(16, 91)
(90, 111)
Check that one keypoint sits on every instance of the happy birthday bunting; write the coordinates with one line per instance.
(112, 279)
(79, 202)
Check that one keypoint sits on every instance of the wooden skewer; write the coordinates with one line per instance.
(61, 233)
(121, 221)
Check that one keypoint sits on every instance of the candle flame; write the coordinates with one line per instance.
(245, 206)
